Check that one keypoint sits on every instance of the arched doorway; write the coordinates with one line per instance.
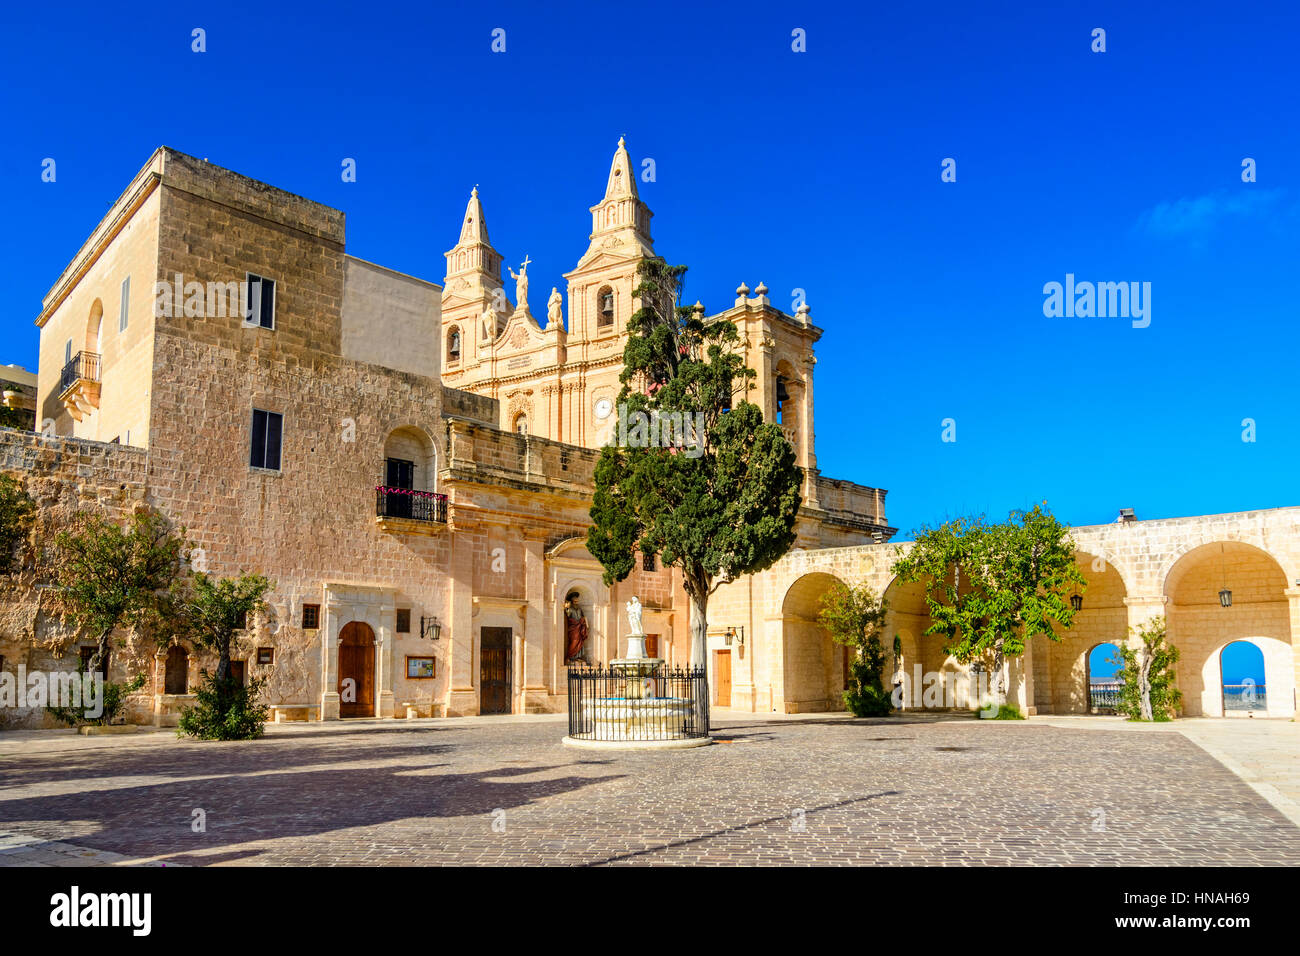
(814, 666)
(356, 670)
(177, 671)
(1221, 593)
(1242, 676)
(1103, 663)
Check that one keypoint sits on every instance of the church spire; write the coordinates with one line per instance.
(620, 222)
(473, 254)
(474, 228)
(622, 184)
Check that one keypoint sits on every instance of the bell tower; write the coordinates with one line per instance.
(472, 288)
(601, 284)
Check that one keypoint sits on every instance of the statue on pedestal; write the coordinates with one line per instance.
(521, 285)
(575, 630)
(554, 316)
(634, 615)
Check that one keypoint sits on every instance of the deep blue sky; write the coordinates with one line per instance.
(817, 170)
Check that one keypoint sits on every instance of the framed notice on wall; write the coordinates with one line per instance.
(419, 668)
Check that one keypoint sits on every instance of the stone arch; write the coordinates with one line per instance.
(410, 443)
(1244, 701)
(1201, 627)
(1103, 695)
(454, 344)
(813, 665)
(95, 328)
(176, 670)
(1062, 682)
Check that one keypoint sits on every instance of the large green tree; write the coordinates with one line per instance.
(709, 487)
(112, 576)
(993, 587)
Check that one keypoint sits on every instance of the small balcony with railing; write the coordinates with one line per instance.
(79, 384)
(405, 511)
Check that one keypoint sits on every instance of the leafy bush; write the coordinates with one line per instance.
(114, 700)
(1148, 676)
(226, 710)
(1005, 712)
(866, 697)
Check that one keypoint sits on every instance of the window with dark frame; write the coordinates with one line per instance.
(242, 624)
(268, 433)
(265, 655)
(310, 617)
(88, 653)
(403, 620)
(260, 308)
(648, 562)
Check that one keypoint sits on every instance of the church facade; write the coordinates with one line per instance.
(411, 463)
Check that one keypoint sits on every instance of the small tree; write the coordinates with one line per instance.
(213, 611)
(718, 497)
(16, 511)
(1147, 674)
(855, 618)
(112, 577)
(993, 587)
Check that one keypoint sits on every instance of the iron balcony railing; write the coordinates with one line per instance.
(84, 366)
(406, 503)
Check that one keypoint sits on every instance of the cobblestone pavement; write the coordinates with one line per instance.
(504, 791)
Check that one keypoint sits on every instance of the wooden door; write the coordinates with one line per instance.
(652, 645)
(357, 666)
(722, 678)
(237, 671)
(495, 645)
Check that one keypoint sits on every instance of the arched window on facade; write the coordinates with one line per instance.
(605, 308)
(176, 677)
(520, 426)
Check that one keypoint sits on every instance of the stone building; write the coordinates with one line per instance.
(411, 464)
(413, 478)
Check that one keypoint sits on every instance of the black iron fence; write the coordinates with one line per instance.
(405, 503)
(616, 703)
(1103, 696)
(82, 366)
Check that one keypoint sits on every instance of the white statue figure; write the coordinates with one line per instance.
(553, 306)
(521, 284)
(489, 324)
(634, 615)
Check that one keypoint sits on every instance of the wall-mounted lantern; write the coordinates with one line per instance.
(1076, 601)
(430, 628)
(736, 634)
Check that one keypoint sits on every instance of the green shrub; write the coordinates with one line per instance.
(114, 700)
(225, 710)
(1150, 669)
(1004, 712)
(865, 696)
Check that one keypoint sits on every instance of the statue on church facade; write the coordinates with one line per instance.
(575, 630)
(521, 285)
(554, 316)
